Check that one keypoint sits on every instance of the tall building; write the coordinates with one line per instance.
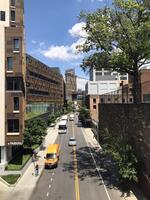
(70, 80)
(102, 82)
(44, 86)
(12, 78)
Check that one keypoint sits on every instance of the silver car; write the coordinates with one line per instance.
(72, 141)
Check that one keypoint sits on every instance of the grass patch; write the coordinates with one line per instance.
(30, 115)
(19, 161)
(11, 178)
(35, 146)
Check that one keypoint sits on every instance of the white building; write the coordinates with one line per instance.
(104, 81)
(81, 83)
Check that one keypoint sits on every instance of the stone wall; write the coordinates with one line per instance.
(132, 121)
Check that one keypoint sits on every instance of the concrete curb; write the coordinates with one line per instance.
(10, 185)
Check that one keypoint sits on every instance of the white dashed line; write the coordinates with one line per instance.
(53, 174)
(51, 179)
(47, 194)
(49, 186)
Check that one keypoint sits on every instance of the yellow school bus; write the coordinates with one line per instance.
(52, 156)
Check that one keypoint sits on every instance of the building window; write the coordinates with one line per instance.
(12, 15)
(16, 103)
(107, 73)
(9, 63)
(146, 98)
(14, 83)
(13, 2)
(102, 100)
(2, 15)
(108, 99)
(16, 44)
(13, 125)
(94, 100)
(94, 106)
(130, 100)
(123, 78)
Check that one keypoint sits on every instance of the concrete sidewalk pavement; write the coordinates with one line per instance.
(23, 189)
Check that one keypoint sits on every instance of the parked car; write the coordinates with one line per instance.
(72, 141)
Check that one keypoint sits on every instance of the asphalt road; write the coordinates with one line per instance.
(77, 176)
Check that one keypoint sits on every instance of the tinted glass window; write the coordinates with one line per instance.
(16, 44)
(13, 2)
(13, 15)
(9, 63)
(2, 15)
(62, 127)
(13, 125)
(16, 103)
(13, 83)
(51, 156)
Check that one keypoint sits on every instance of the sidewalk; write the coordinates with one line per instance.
(89, 137)
(25, 186)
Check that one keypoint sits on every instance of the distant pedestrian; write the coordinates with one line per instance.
(36, 169)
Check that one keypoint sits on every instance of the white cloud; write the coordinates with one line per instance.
(66, 52)
(33, 42)
(42, 44)
(78, 31)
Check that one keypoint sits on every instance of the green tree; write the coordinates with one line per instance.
(84, 114)
(35, 130)
(51, 119)
(119, 38)
(123, 154)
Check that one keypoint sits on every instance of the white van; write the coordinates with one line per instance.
(65, 117)
(71, 117)
(62, 127)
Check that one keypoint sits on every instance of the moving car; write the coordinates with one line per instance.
(52, 156)
(62, 127)
(72, 141)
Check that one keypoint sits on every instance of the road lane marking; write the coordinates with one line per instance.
(51, 179)
(49, 186)
(76, 175)
(75, 169)
(47, 194)
(99, 174)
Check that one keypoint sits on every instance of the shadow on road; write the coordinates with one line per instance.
(97, 166)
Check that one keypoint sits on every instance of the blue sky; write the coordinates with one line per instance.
(52, 30)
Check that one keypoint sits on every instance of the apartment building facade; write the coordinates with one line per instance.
(12, 78)
(102, 82)
(70, 81)
(44, 86)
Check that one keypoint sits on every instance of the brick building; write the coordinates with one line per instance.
(45, 86)
(70, 80)
(12, 78)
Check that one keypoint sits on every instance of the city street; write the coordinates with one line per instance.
(78, 175)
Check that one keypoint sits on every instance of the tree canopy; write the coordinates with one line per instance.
(35, 130)
(118, 39)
